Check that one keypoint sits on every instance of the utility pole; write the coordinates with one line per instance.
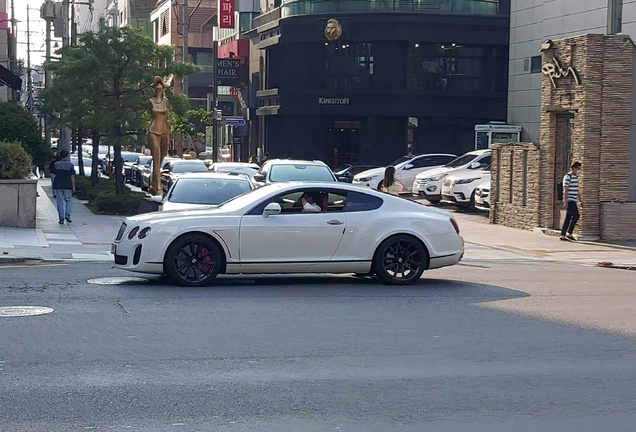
(29, 77)
(47, 13)
(186, 55)
(65, 132)
(215, 98)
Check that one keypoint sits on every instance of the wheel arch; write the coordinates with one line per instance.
(219, 243)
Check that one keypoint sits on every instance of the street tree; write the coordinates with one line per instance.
(17, 125)
(104, 82)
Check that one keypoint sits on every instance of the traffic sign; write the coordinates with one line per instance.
(235, 122)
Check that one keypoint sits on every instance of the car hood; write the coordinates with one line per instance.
(466, 173)
(173, 206)
(370, 173)
(484, 185)
(434, 172)
(169, 216)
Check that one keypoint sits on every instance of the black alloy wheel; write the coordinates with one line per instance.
(400, 260)
(193, 260)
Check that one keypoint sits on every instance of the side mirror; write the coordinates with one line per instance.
(259, 178)
(407, 166)
(156, 199)
(474, 165)
(272, 209)
(343, 179)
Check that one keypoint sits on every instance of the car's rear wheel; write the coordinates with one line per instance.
(400, 260)
(193, 260)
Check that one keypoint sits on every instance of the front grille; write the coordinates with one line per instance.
(121, 232)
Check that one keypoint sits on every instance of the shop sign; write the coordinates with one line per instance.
(232, 72)
(333, 101)
(226, 108)
(226, 14)
(555, 71)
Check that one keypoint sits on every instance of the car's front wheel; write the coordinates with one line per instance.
(193, 260)
(400, 260)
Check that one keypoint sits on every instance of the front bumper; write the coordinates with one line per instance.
(458, 194)
(427, 189)
(482, 202)
(140, 255)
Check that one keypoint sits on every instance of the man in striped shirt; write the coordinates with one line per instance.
(571, 198)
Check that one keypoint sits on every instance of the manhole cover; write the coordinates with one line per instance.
(23, 311)
(118, 281)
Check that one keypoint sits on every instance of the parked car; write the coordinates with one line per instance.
(482, 196)
(174, 168)
(197, 190)
(137, 169)
(459, 188)
(349, 171)
(284, 170)
(237, 167)
(146, 175)
(406, 169)
(130, 159)
(429, 184)
(266, 231)
(86, 161)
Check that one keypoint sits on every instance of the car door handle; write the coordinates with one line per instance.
(335, 222)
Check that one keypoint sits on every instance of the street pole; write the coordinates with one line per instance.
(186, 55)
(47, 81)
(215, 97)
(29, 77)
(65, 132)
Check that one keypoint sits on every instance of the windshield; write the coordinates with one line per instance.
(189, 167)
(143, 160)
(207, 191)
(461, 161)
(301, 172)
(401, 160)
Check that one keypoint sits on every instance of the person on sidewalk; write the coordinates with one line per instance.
(64, 187)
(571, 200)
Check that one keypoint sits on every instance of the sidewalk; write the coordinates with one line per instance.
(87, 238)
(490, 242)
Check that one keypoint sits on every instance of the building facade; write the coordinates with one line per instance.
(354, 80)
(535, 21)
(10, 82)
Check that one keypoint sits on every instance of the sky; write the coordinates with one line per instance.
(36, 26)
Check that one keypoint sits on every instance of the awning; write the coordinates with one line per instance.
(10, 79)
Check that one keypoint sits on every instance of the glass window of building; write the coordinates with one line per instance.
(616, 16)
(453, 67)
(348, 65)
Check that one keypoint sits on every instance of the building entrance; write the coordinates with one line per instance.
(343, 143)
(562, 161)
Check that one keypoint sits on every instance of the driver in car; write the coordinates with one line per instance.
(309, 202)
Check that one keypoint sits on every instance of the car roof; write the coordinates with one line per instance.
(177, 160)
(295, 162)
(212, 175)
(436, 154)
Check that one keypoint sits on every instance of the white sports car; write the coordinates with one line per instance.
(266, 230)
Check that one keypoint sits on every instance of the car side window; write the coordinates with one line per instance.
(358, 201)
(329, 200)
(422, 162)
(485, 161)
(443, 160)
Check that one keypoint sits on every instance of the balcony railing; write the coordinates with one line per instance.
(464, 7)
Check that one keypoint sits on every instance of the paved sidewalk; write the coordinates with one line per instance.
(87, 238)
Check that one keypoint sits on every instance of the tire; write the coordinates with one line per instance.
(400, 260)
(144, 188)
(193, 260)
(433, 201)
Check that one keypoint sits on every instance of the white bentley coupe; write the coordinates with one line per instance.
(293, 228)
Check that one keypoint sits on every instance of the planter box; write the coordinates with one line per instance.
(18, 200)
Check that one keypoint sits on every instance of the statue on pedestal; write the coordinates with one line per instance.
(158, 132)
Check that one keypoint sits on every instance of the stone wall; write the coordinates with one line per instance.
(618, 221)
(18, 198)
(514, 185)
(602, 108)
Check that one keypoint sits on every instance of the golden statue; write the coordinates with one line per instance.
(159, 132)
(333, 30)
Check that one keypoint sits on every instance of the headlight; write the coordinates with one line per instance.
(465, 181)
(133, 232)
(436, 178)
(143, 233)
(366, 179)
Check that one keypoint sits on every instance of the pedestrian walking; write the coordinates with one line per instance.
(390, 184)
(64, 187)
(571, 201)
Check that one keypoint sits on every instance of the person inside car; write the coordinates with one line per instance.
(309, 202)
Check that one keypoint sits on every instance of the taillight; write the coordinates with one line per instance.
(454, 223)
(132, 233)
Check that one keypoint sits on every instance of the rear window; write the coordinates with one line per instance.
(301, 172)
(207, 191)
(189, 167)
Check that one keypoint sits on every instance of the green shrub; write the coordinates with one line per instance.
(112, 204)
(15, 162)
(17, 125)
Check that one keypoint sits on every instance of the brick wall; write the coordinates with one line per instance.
(618, 221)
(514, 185)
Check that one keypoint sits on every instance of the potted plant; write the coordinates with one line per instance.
(18, 194)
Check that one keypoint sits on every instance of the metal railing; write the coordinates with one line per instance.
(464, 7)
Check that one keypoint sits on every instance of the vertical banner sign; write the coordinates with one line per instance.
(226, 14)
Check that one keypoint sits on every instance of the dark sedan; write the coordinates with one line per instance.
(348, 171)
(173, 169)
(137, 170)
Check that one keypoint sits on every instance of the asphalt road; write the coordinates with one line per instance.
(316, 353)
